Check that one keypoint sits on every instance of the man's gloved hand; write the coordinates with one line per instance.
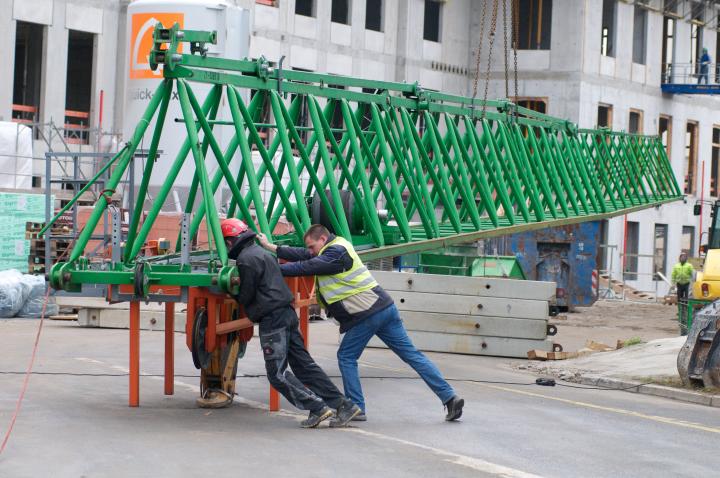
(264, 242)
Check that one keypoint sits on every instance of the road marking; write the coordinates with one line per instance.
(451, 457)
(189, 387)
(455, 458)
(620, 411)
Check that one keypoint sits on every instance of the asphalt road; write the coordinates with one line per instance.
(80, 426)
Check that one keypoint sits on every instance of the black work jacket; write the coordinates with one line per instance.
(262, 287)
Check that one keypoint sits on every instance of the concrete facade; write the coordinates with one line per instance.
(398, 53)
(99, 17)
(572, 76)
(575, 78)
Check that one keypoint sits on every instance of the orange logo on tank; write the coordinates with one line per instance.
(141, 41)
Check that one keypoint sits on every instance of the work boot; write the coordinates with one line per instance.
(360, 417)
(454, 408)
(214, 398)
(345, 412)
(314, 418)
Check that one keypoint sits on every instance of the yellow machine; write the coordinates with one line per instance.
(707, 281)
(706, 287)
(699, 359)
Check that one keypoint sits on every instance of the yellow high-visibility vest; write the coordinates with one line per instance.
(342, 285)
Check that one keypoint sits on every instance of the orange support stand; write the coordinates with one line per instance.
(303, 314)
(169, 348)
(274, 400)
(302, 289)
(134, 395)
(210, 334)
(218, 307)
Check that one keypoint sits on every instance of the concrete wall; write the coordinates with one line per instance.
(398, 53)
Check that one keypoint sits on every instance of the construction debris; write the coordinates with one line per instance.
(598, 346)
(590, 347)
(64, 317)
(622, 290)
(543, 355)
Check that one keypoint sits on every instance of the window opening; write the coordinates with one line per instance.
(374, 15)
(305, 8)
(78, 89)
(534, 24)
(432, 21)
(340, 12)
(27, 75)
(607, 40)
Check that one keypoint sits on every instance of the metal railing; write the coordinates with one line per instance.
(691, 73)
(616, 286)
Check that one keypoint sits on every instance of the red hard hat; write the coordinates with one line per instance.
(232, 227)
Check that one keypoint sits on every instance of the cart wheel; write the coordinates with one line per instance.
(200, 355)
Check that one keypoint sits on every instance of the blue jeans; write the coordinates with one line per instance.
(388, 326)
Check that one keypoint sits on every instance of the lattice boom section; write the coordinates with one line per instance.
(389, 165)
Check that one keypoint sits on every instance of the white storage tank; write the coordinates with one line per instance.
(233, 39)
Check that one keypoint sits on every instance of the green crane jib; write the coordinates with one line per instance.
(407, 170)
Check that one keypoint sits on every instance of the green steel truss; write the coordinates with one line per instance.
(391, 166)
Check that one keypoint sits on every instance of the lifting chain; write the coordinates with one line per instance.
(479, 51)
(505, 48)
(493, 25)
(516, 35)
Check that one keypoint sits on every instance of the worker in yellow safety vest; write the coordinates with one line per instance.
(350, 294)
(681, 277)
(268, 302)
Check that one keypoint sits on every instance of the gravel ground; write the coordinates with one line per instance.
(609, 321)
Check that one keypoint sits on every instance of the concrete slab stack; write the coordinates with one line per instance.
(471, 315)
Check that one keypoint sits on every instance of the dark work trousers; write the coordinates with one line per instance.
(682, 297)
(282, 345)
(682, 292)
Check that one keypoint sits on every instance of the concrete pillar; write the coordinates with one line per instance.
(7, 60)
(566, 37)
(401, 48)
(624, 40)
(322, 14)
(592, 32)
(653, 53)
(357, 33)
(55, 49)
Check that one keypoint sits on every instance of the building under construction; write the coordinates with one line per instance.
(146, 145)
(74, 79)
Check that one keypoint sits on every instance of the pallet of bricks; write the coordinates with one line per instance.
(16, 210)
(39, 248)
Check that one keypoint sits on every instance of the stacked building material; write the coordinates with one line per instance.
(39, 248)
(16, 210)
(472, 315)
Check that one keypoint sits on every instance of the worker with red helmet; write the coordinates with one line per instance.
(268, 302)
(350, 294)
